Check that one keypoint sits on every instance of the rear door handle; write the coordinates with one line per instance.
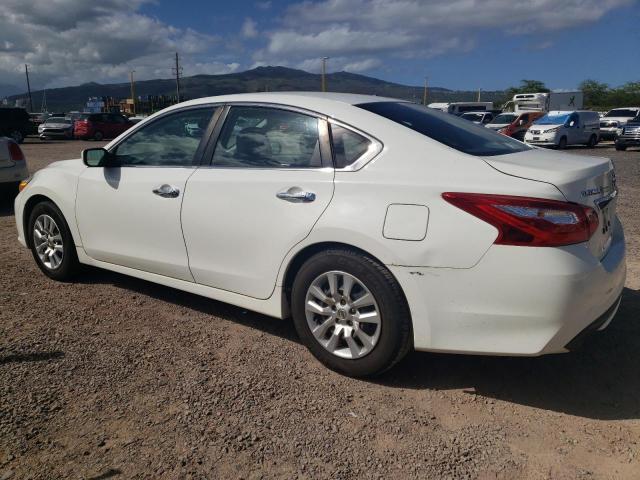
(296, 195)
(167, 191)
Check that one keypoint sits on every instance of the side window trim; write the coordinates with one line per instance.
(198, 156)
(374, 150)
(323, 134)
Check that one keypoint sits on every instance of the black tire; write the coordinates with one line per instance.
(98, 136)
(17, 136)
(562, 144)
(395, 338)
(69, 265)
(621, 148)
(593, 140)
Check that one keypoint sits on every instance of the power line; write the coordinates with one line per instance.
(177, 70)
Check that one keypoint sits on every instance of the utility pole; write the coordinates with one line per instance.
(324, 73)
(479, 92)
(133, 91)
(426, 89)
(26, 71)
(177, 70)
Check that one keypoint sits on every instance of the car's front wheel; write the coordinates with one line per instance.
(351, 313)
(51, 242)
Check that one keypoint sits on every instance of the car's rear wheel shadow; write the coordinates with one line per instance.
(601, 380)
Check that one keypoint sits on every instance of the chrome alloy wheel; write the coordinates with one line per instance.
(342, 315)
(47, 241)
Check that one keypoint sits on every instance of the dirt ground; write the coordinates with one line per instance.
(113, 377)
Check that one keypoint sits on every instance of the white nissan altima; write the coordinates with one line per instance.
(377, 224)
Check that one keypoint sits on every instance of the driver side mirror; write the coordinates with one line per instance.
(98, 157)
(572, 123)
(520, 122)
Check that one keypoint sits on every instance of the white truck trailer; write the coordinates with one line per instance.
(545, 102)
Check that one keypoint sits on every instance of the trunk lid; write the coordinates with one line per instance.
(581, 179)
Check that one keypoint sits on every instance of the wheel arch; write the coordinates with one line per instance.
(28, 208)
(298, 259)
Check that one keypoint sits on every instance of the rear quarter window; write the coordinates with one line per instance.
(447, 129)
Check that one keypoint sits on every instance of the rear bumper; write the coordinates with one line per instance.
(516, 300)
(15, 173)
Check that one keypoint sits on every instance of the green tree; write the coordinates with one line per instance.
(595, 93)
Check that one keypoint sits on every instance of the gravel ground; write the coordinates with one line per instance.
(113, 377)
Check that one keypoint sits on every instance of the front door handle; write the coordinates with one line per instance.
(296, 195)
(167, 191)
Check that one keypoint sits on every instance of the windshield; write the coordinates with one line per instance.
(621, 112)
(464, 136)
(553, 119)
(474, 117)
(504, 118)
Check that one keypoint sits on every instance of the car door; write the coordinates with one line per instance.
(575, 130)
(270, 179)
(129, 213)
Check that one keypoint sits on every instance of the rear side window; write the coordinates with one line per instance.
(348, 146)
(450, 130)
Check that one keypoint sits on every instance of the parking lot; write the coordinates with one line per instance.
(114, 377)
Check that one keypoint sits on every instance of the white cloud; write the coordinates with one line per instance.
(361, 29)
(74, 41)
(249, 28)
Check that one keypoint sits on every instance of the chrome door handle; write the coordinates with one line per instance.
(296, 195)
(167, 191)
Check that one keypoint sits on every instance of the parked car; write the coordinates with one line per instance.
(502, 120)
(56, 127)
(379, 225)
(480, 118)
(559, 129)
(629, 134)
(13, 166)
(520, 124)
(15, 123)
(615, 119)
(98, 126)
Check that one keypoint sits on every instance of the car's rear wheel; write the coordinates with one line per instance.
(562, 144)
(98, 135)
(593, 140)
(351, 313)
(17, 136)
(51, 242)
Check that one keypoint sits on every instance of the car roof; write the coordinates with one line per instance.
(319, 101)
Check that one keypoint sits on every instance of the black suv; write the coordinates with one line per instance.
(629, 134)
(15, 123)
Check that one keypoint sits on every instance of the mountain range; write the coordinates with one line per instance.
(255, 80)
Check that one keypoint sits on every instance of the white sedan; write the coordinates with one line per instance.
(13, 166)
(377, 224)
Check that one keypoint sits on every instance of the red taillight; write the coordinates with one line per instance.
(533, 222)
(15, 152)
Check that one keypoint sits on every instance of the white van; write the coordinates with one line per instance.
(562, 128)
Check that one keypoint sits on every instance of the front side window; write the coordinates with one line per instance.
(348, 146)
(455, 132)
(169, 141)
(262, 137)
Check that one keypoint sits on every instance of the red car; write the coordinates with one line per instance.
(100, 125)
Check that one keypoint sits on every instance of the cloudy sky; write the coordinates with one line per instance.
(464, 44)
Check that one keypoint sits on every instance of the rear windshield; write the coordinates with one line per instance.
(464, 136)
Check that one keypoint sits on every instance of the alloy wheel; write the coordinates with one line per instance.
(343, 315)
(47, 241)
